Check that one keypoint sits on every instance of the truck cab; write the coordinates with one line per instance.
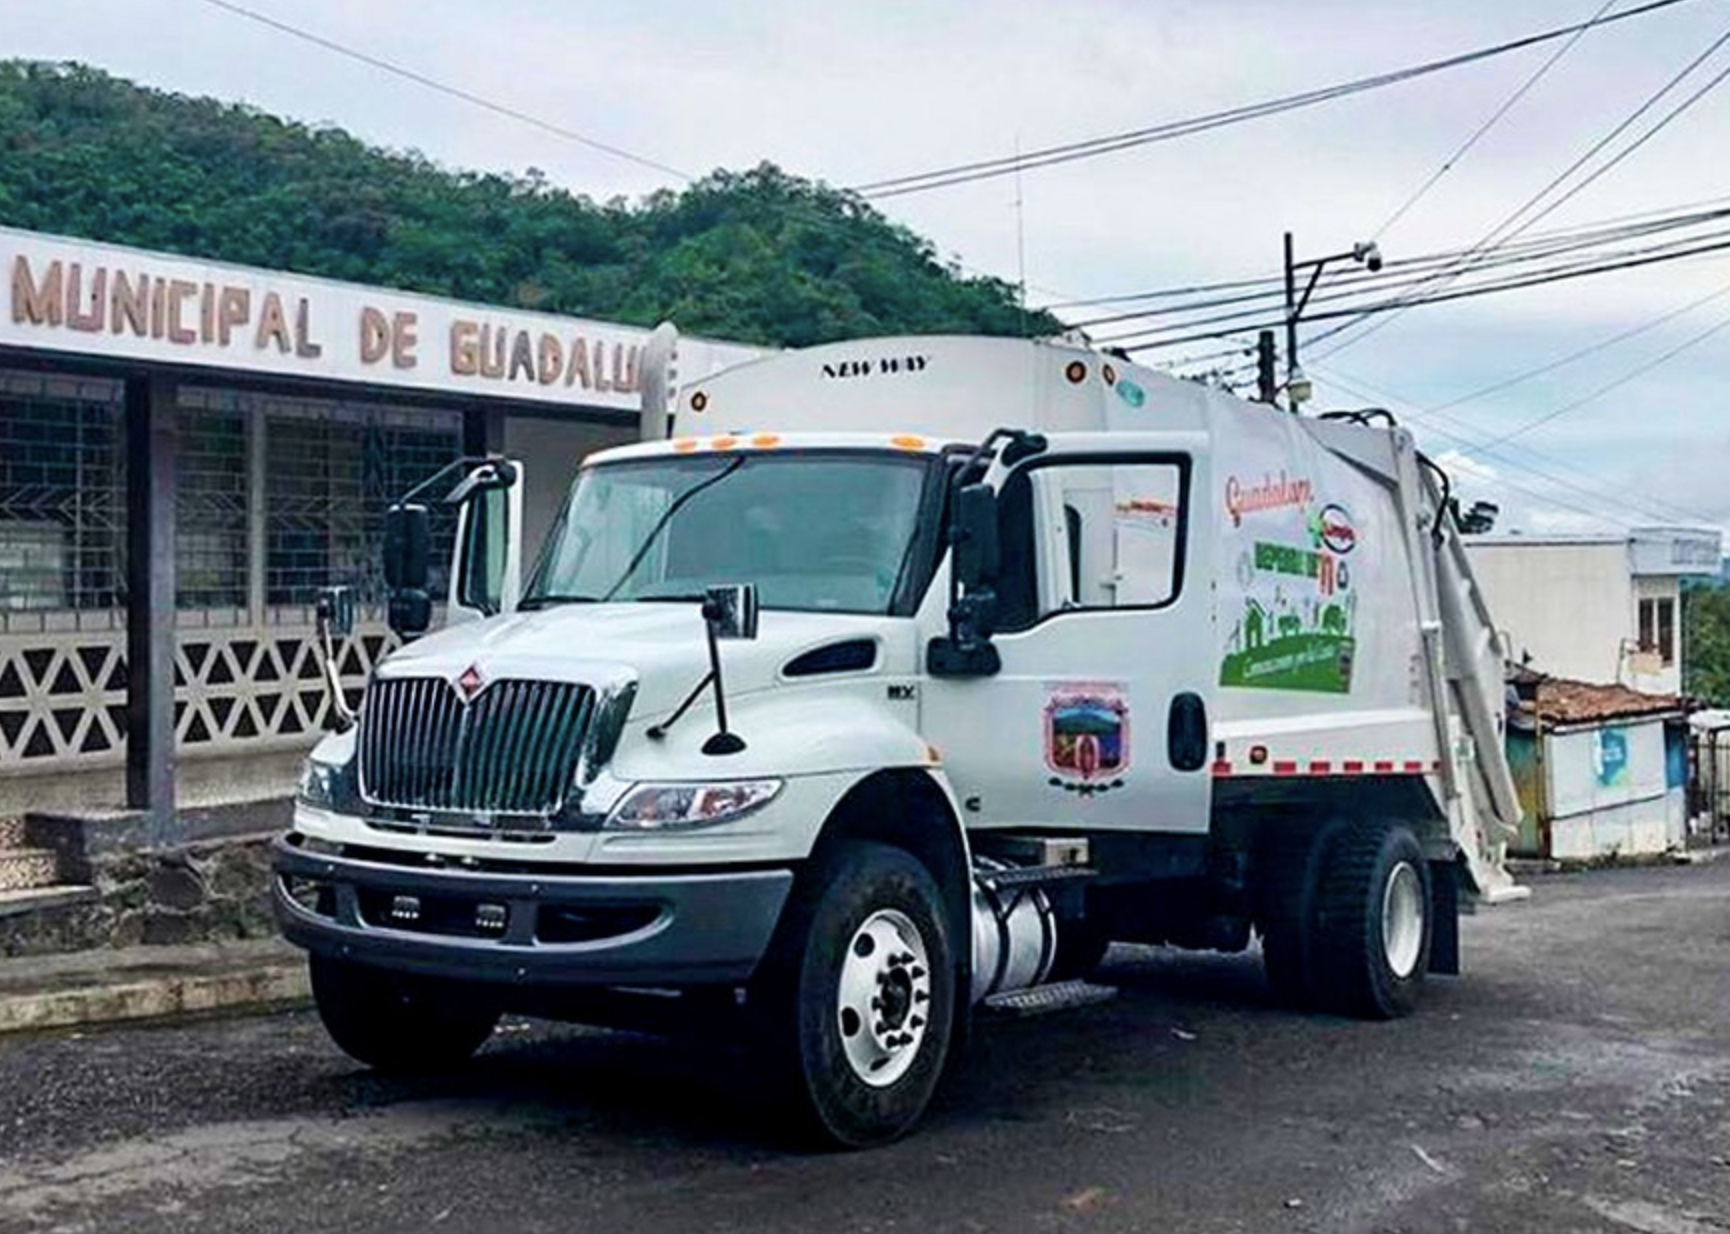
(884, 691)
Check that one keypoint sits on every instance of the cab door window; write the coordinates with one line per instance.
(1090, 534)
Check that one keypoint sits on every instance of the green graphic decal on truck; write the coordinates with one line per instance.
(1294, 596)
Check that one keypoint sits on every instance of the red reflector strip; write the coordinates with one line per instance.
(1284, 768)
(1222, 768)
(1383, 764)
(1414, 766)
(1321, 767)
(1352, 766)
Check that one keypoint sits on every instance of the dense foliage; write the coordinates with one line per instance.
(1706, 642)
(759, 256)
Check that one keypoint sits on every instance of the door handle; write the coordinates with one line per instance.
(1186, 732)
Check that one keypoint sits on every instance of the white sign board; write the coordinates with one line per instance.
(102, 300)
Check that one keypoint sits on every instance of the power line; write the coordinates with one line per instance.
(1509, 383)
(456, 92)
(1496, 231)
(1543, 278)
(1478, 134)
(983, 169)
(1617, 384)
(1549, 498)
(505, 110)
(1270, 287)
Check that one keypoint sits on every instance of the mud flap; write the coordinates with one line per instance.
(1445, 918)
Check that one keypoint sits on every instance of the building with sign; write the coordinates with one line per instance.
(1602, 770)
(189, 451)
(1596, 608)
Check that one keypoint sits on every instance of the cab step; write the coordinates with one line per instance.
(1025, 878)
(1044, 999)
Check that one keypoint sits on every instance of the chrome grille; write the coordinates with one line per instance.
(510, 751)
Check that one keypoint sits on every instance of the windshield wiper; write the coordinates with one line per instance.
(667, 517)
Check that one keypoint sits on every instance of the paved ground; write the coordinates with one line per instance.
(1578, 1079)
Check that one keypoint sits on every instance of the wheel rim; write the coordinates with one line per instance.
(883, 998)
(1403, 919)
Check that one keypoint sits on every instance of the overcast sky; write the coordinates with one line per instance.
(859, 90)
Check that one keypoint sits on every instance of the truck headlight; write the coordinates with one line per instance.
(329, 786)
(669, 807)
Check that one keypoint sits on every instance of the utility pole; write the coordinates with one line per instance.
(1291, 312)
(1266, 377)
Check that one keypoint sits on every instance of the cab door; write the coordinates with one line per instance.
(1098, 715)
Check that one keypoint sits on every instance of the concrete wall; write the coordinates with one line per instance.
(550, 451)
(1570, 607)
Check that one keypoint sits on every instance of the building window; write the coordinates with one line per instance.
(1658, 627)
(211, 506)
(331, 471)
(62, 493)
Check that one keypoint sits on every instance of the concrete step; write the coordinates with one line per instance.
(24, 869)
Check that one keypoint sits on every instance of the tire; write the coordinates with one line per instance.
(1289, 866)
(1373, 929)
(396, 1022)
(870, 929)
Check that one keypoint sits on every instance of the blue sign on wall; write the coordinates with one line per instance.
(1610, 757)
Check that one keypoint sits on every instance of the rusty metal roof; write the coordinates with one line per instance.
(1560, 701)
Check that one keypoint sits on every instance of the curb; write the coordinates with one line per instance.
(153, 998)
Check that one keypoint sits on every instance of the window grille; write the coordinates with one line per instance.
(62, 493)
(210, 518)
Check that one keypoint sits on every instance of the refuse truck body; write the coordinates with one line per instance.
(882, 687)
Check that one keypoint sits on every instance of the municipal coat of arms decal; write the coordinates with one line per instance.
(1087, 738)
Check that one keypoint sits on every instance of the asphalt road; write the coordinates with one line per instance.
(1577, 1079)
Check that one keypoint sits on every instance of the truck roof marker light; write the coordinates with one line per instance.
(933, 755)
(685, 445)
(906, 441)
(699, 402)
(766, 441)
(1257, 755)
(1076, 372)
(723, 443)
(1110, 375)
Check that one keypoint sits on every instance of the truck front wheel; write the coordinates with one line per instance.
(398, 1022)
(1372, 926)
(862, 996)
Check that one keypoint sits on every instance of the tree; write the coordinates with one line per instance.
(1706, 642)
(758, 256)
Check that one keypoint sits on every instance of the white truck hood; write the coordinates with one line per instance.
(662, 646)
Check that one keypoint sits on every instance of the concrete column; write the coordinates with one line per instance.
(483, 431)
(150, 458)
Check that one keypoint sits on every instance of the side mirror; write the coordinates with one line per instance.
(967, 651)
(407, 546)
(731, 611)
(335, 611)
(978, 558)
(409, 613)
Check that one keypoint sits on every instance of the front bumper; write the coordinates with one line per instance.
(529, 929)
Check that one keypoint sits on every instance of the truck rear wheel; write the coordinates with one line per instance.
(862, 997)
(1372, 928)
(396, 1021)
(1289, 865)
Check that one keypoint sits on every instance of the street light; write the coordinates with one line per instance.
(1366, 253)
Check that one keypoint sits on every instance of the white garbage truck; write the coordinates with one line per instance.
(878, 690)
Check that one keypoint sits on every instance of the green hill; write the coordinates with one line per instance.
(760, 256)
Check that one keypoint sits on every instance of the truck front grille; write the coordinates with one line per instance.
(512, 750)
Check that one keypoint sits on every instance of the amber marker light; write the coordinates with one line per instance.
(765, 441)
(685, 445)
(907, 442)
(723, 443)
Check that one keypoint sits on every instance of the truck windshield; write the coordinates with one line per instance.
(816, 532)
